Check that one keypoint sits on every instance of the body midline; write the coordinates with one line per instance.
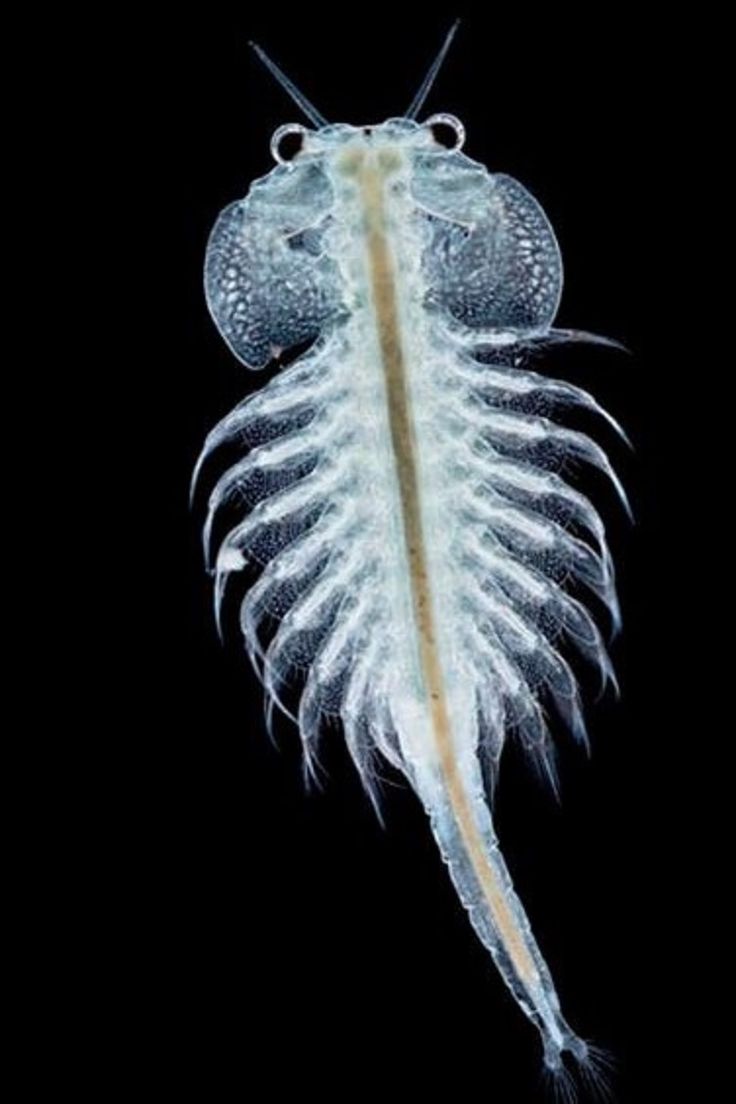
(381, 272)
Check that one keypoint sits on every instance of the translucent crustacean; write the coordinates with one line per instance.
(406, 508)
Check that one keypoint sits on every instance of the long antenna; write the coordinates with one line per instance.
(416, 104)
(299, 99)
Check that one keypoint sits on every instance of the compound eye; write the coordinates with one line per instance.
(447, 131)
(287, 142)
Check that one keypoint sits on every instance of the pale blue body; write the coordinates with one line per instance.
(478, 278)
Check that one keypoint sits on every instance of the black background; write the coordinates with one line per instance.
(269, 933)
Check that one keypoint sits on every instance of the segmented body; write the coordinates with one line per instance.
(414, 530)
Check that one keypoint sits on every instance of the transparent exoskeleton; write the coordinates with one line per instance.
(406, 505)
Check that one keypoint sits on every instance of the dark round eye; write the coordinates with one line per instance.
(447, 131)
(287, 142)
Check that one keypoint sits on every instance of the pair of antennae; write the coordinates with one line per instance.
(318, 118)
